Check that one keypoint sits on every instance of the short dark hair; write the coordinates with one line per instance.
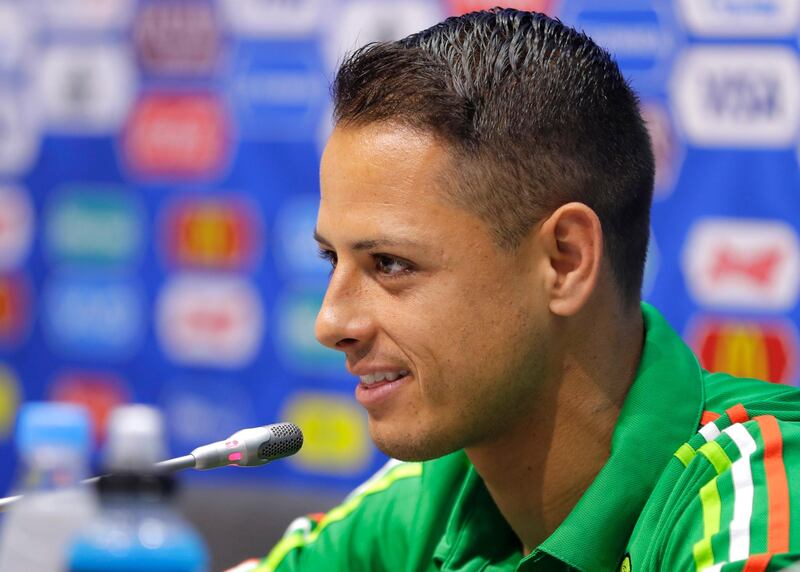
(536, 115)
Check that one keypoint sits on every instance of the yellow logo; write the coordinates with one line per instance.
(626, 564)
(9, 400)
(336, 439)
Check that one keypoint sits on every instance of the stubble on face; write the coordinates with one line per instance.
(466, 321)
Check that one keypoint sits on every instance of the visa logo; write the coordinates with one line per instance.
(740, 263)
(743, 95)
(738, 97)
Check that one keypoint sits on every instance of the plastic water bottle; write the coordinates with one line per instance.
(137, 527)
(53, 444)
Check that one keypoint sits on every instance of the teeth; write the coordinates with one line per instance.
(382, 375)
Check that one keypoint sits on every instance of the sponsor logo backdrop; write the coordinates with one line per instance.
(158, 188)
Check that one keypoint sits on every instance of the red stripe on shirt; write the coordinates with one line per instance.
(708, 417)
(757, 563)
(737, 413)
(777, 485)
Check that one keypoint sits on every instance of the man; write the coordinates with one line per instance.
(485, 203)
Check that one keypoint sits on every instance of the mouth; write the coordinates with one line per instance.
(377, 379)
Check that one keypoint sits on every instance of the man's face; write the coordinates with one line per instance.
(422, 297)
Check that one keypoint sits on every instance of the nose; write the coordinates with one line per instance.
(344, 322)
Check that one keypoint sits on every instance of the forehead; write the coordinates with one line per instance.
(382, 163)
(386, 181)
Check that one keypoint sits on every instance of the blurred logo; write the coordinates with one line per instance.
(279, 93)
(640, 38)
(214, 233)
(765, 351)
(15, 299)
(100, 318)
(295, 343)
(275, 18)
(177, 38)
(459, 7)
(738, 97)
(210, 320)
(15, 37)
(666, 149)
(224, 405)
(100, 226)
(87, 14)
(86, 88)
(743, 264)
(336, 437)
(295, 249)
(177, 135)
(19, 132)
(16, 227)
(742, 18)
(100, 393)
(363, 21)
(9, 400)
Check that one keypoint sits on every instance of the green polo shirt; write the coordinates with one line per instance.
(703, 474)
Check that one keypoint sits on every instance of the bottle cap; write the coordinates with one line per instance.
(41, 423)
(135, 439)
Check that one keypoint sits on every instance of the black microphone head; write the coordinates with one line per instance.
(285, 439)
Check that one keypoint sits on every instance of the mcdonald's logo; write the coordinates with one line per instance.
(212, 233)
(746, 348)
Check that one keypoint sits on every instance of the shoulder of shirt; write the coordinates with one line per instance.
(744, 464)
(396, 484)
(723, 391)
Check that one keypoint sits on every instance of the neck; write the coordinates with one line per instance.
(537, 470)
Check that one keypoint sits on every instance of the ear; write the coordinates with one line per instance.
(573, 245)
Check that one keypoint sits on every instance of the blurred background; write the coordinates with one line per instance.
(158, 192)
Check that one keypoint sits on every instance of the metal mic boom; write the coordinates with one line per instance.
(246, 448)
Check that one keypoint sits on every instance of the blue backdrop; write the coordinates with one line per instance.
(158, 190)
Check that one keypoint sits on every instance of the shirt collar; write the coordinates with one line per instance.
(661, 412)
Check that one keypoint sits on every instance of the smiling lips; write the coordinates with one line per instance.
(380, 376)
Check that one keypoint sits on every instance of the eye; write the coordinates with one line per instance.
(391, 266)
(330, 256)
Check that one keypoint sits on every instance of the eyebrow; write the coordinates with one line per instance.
(367, 244)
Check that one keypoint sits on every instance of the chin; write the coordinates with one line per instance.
(409, 444)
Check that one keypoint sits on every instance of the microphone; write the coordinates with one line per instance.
(246, 448)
